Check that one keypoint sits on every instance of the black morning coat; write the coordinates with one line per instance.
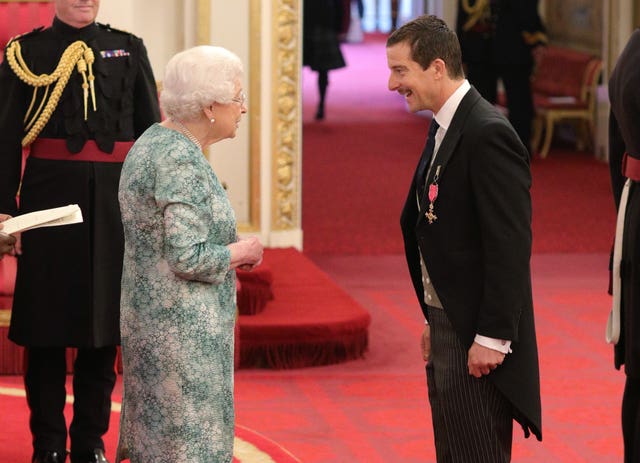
(624, 136)
(478, 249)
(68, 283)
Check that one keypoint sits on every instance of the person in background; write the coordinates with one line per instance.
(624, 162)
(7, 242)
(360, 8)
(503, 39)
(101, 97)
(323, 23)
(394, 15)
(466, 226)
(178, 304)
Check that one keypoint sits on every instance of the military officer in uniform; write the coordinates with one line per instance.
(503, 39)
(624, 163)
(78, 94)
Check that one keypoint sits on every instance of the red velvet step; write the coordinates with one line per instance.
(255, 289)
(310, 321)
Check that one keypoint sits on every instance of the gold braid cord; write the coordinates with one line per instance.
(476, 12)
(77, 54)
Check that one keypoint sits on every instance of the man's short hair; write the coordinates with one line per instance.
(429, 38)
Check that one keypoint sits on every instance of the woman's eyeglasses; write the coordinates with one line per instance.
(241, 98)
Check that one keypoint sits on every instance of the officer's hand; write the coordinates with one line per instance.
(7, 242)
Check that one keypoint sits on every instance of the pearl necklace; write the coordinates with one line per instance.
(185, 131)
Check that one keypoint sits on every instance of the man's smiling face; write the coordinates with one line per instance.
(408, 78)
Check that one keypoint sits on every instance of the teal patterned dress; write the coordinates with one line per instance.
(178, 305)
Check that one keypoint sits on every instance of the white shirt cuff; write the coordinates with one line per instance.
(500, 345)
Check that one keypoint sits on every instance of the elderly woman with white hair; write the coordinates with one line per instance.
(178, 302)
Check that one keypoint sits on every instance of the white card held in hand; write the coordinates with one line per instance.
(45, 218)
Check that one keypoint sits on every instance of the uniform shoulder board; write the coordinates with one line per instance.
(25, 35)
(113, 29)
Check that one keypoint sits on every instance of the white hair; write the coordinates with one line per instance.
(196, 78)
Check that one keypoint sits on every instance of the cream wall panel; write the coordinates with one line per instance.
(160, 23)
(118, 13)
(231, 158)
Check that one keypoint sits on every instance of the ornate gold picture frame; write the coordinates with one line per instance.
(576, 24)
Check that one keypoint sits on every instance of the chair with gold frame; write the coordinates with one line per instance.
(564, 89)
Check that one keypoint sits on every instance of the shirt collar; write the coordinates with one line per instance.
(449, 108)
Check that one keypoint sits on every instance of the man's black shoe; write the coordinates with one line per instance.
(97, 456)
(40, 456)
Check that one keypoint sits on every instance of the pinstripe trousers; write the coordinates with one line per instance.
(472, 420)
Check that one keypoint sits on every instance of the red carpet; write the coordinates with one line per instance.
(250, 446)
(573, 208)
(375, 410)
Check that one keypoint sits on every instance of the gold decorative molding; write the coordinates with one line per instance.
(255, 112)
(286, 115)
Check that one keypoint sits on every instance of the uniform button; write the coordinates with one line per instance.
(428, 281)
(429, 296)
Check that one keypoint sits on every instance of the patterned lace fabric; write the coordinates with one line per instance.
(177, 305)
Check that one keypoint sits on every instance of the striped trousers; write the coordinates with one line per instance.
(472, 420)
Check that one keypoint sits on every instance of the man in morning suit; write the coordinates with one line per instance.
(98, 95)
(467, 234)
(624, 162)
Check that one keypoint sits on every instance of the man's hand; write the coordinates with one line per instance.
(425, 343)
(7, 242)
(483, 360)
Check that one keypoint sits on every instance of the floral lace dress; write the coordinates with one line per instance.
(177, 305)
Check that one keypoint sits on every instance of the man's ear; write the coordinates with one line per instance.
(440, 67)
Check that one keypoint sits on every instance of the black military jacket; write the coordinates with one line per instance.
(68, 283)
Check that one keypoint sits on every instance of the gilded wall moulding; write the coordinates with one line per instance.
(286, 112)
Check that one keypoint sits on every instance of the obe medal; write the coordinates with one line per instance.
(433, 194)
